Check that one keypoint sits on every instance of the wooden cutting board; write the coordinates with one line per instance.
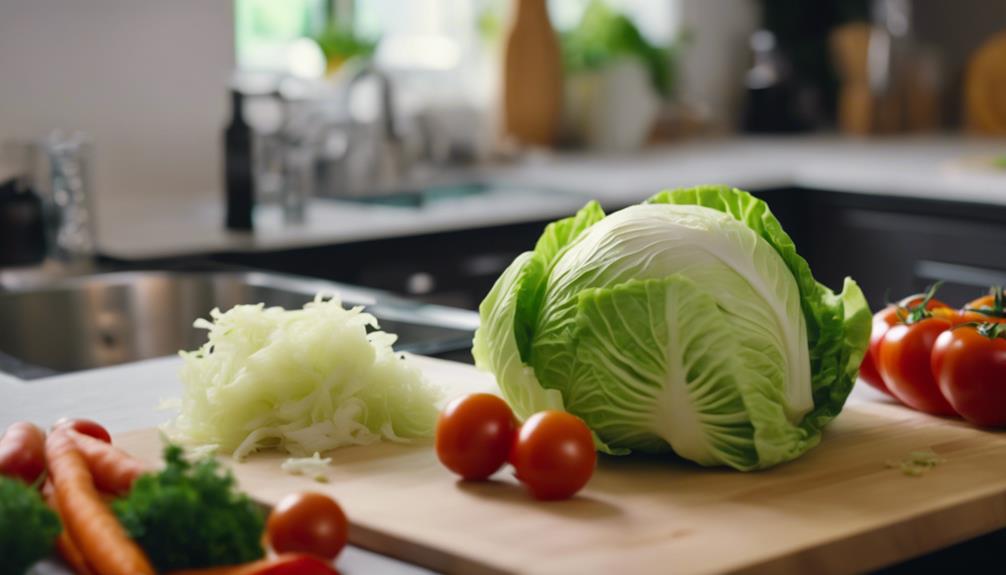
(838, 509)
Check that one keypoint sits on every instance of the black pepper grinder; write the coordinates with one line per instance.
(238, 168)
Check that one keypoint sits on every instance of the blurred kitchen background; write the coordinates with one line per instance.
(416, 146)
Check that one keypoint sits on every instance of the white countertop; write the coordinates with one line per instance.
(928, 167)
(196, 226)
(133, 226)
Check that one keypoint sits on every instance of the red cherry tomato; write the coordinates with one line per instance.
(554, 455)
(970, 369)
(84, 426)
(22, 452)
(474, 435)
(903, 360)
(308, 523)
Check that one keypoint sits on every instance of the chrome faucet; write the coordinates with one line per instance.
(390, 165)
(322, 149)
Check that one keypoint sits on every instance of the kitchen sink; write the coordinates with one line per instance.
(114, 318)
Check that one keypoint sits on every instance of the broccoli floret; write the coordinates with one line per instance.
(190, 515)
(28, 528)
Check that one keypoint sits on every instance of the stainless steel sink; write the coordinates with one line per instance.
(107, 319)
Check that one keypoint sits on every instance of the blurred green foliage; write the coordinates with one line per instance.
(601, 36)
(604, 35)
(28, 528)
(339, 44)
(271, 20)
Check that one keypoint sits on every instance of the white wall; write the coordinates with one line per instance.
(145, 78)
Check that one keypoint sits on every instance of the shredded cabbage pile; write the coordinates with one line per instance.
(303, 381)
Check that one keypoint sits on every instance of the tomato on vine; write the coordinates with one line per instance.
(883, 320)
(969, 365)
(903, 355)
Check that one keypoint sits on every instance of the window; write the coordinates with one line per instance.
(265, 29)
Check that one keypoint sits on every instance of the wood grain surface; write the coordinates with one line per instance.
(838, 509)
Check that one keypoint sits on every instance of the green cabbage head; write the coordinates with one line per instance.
(688, 323)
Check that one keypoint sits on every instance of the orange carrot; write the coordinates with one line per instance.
(65, 546)
(113, 469)
(284, 564)
(71, 554)
(98, 534)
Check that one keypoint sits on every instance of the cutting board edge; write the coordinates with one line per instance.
(984, 515)
(385, 542)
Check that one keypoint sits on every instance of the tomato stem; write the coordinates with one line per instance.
(992, 330)
(998, 309)
(915, 313)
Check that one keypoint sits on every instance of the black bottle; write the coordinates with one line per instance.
(22, 231)
(238, 168)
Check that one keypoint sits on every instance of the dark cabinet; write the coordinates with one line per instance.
(896, 246)
(452, 268)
